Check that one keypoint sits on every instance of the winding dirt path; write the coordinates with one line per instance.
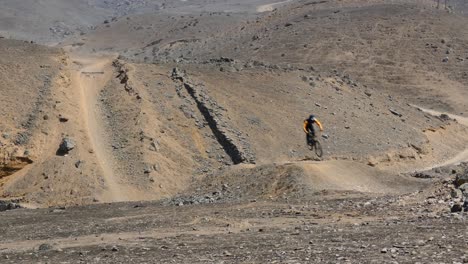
(90, 78)
(460, 157)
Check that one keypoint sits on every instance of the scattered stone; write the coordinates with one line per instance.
(464, 190)
(22, 138)
(457, 207)
(8, 205)
(423, 175)
(372, 162)
(461, 179)
(147, 169)
(395, 112)
(63, 119)
(58, 210)
(446, 59)
(154, 146)
(78, 164)
(177, 74)
(444, 117)
(66, 146)
(384, 250)
(45, 247)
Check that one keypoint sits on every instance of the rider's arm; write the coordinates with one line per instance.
(319, 124)
(305, 126)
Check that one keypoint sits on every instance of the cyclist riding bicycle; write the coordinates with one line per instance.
(309, 129)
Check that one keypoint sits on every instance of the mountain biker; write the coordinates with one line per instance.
(309, 129)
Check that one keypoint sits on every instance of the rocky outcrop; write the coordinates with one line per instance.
(232, 140)
(6, 205)
(459, 188)
(124, 77)
(10, 165)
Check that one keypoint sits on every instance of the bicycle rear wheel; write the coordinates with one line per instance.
(318, 149)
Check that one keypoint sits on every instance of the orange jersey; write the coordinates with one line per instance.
(307, 124)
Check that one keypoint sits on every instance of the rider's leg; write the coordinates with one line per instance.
(309, 140)
(312, 135)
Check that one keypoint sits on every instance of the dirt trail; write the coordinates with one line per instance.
(349, 175)
(460, 157)
(270, 7)
(460, 119)
(130, 238)
(343, 175)
(90, 79)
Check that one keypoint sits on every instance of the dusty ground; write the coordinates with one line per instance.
(171, 132)
(333, 227)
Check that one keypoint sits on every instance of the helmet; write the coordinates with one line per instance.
(311, 117)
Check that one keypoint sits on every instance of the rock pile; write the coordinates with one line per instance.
(8, 205)
(460, 192)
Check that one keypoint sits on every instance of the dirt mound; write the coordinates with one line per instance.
(297, 180)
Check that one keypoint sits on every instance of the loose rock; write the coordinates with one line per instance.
(66, 146)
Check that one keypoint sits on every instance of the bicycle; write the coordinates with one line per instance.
(316, 146)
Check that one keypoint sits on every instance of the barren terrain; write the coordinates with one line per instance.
(171, 131)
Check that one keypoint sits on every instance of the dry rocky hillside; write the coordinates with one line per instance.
(399, 47)
(171, 131)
